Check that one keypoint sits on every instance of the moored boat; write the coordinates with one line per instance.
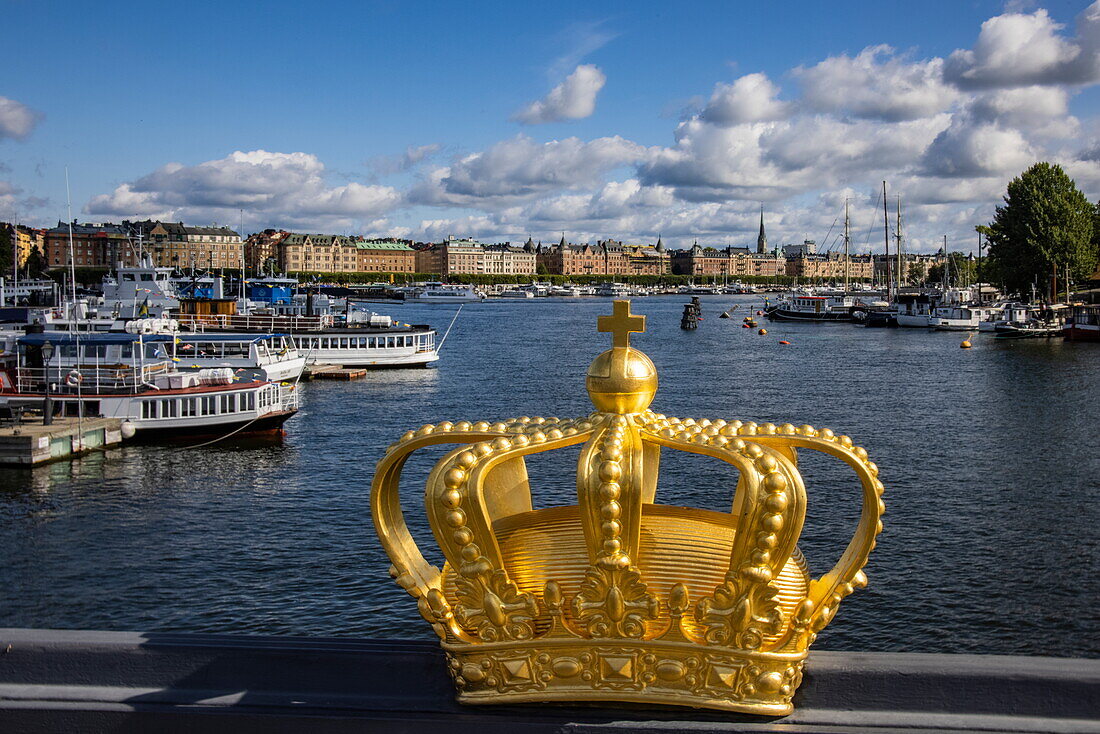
(132, 377)
(1083, 324)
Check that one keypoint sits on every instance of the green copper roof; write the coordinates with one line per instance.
(382, 246)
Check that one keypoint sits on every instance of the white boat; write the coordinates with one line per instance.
(965, 317)
(565, 291)
(132, 377)
(141, 290)
(1027, 322)
(440, 293)
(612, 290)
(271, 357)
(516, 293)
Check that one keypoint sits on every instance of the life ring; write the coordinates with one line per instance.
(74, 378)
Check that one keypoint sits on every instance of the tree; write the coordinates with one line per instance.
(541, 269)
(7, 238)
(36, 264)
(961, 271)
(1045, 226)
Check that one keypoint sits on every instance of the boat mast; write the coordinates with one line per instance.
(846, 240)
(898, 239)
(72, 254)
(886, 232)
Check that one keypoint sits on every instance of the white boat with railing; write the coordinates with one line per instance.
(133, 377)
(516, 293)
(264, 356)
(441, 293)
(565, 291)
(612, 290)
(798, 307)
(364, 339)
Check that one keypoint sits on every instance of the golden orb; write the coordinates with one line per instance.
(621, 380)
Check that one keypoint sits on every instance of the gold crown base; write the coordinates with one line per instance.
(647, 672)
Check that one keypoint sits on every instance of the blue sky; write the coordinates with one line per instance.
(417, 119)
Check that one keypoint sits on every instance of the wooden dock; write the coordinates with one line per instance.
(31, 443)
(333, 372)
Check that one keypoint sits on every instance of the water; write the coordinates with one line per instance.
(989, 457)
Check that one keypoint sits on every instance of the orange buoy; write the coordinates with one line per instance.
(762, 332)
(759, 313)
(966, 344)
(744, 326)
(784, 342)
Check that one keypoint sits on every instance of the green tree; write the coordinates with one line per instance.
(7, 235)
(961, 271)
(1046, 225)
(36, 264)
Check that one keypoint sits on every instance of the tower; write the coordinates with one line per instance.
(762, 238)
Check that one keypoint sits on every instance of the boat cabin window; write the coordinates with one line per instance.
(146, 277)
(128, 277)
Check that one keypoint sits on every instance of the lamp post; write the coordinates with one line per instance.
(47, 408)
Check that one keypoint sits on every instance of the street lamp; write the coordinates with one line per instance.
(47, 408)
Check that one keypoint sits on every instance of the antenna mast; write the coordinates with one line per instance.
(901, 269)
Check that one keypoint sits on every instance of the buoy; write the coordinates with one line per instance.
(762, 332)
(744, 326)
(784, 342)
(759, 313)
(966, 344)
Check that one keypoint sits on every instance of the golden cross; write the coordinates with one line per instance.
(621, 323)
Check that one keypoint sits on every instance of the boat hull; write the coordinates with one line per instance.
(1075, 333)
(268, 424)
(825, 317)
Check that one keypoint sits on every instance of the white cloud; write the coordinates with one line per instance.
(520, 168)
(877, 84)
(1021, 49)
(17, 120)
(573, 99)
(975, 149)
(751, 98)
(289, 186)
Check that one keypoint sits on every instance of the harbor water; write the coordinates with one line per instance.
(989, 456)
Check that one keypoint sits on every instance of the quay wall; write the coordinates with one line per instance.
(52, 680)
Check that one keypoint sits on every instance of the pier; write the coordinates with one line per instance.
(28, 444)
(333, 372)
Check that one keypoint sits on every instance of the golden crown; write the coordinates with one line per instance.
(593, 601)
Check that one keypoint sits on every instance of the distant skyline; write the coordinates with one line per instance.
(500, 121)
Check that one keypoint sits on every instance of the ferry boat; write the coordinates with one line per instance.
(827, 309)
(133, 377)
(516, 293)
(364, 339)
(440, 293)
(612, 290)
(1082, 324)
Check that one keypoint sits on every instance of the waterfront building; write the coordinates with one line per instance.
(96, 245)
(176, 245)
(728, 261)
(261, 249)
(829, 266)
(385, 256)
(456, 256)
(606, 257)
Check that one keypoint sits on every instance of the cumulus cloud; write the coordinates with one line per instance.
(972, 148)
(1022, 49)
(752, 98)
(521, 168)
(877, 84)
(17, 120)
(290, 185)
(573, 99)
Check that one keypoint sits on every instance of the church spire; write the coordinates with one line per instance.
(562, 243)
(762, 238)
(660, 245)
